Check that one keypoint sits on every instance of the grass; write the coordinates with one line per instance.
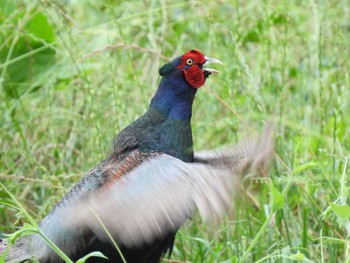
(75, 73)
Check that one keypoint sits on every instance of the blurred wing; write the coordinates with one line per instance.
(154, 199)
(160, 194)
(250, 155)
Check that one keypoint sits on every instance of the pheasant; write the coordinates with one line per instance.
(151, 184)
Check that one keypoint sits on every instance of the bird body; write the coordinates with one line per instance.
(149, 186)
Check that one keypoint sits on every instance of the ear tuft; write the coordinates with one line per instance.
(166, 69)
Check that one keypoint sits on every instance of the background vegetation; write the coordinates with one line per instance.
(74, 73)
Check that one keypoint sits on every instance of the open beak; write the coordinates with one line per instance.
(208, 71)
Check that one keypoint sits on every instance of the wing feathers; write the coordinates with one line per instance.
(160, 194)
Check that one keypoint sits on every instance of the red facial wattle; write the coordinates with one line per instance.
(193, 73)
(192, 63)
(195, 76)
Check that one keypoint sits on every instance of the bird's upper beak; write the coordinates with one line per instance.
(208, 71)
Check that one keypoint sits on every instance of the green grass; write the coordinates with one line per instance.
(74, 73)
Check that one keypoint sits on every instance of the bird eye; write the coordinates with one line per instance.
(189, 61)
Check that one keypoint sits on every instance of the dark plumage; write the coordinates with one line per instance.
(152, 182)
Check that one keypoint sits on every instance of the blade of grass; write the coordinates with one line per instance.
(34, 224)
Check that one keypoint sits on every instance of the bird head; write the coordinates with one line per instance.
(192, 64)
(180, 81)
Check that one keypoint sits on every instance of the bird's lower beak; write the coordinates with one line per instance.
(208, 61)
